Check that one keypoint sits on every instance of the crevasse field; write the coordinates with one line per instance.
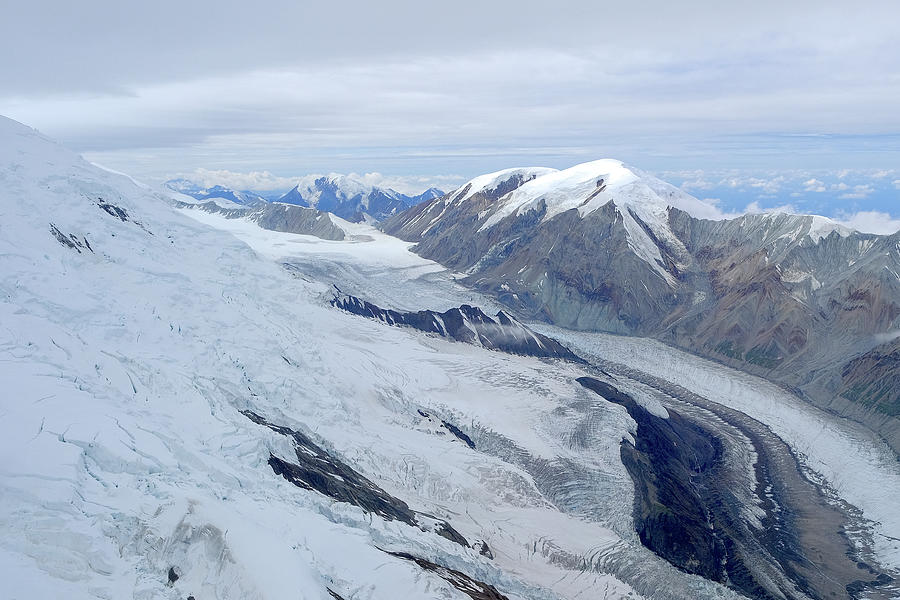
(127, 356)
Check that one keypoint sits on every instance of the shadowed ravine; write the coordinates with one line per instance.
(690, 509)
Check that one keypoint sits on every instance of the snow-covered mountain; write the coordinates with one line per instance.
(185, 414)
(223, 196)
(603, 246)
(429, 194)
(163, 383)
(351, 198)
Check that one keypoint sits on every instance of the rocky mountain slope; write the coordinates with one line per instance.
(602, 246)
(275, 216)
(467, 324)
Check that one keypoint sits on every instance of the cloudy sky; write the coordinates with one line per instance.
(755, 106)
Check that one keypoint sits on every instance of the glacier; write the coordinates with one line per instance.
(129, 363)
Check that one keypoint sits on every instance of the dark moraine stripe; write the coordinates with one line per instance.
(687, 510)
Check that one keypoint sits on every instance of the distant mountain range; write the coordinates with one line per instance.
(343, 195)
(352, 199)
(217, 192)
(601, 246)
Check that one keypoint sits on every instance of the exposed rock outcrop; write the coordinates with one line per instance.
(467, 324)
(315, 469)
(274, 216)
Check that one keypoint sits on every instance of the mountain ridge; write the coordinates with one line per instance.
(602, 246)
(351, 198)
(214, 193)
(346, 196)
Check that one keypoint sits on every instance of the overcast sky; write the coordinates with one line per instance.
(426, 92)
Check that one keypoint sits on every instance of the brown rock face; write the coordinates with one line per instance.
(873, 379)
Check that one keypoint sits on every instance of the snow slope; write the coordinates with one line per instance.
(224, 196)
(641, 201)
(349, 197)
(843, 456)
(490, 181)
(132, 340)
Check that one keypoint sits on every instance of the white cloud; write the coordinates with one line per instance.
(896, 183)
(505, 80)
(697, 184)
(766, 186)
(859, 192)
(814, 185)
(888, 336)
(769, 186)
(263, 181)
(413, 184)
(870, 221)
(753, 208)
(709, 208)
(756, 208)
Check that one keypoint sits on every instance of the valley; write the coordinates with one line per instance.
(191, 415)
(798, 512)
(449, 300)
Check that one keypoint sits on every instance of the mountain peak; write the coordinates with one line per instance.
(498, 180)
(590, 185)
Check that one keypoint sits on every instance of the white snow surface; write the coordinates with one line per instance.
(490, 181)
(847, 457)
(220, 202)
(821, 227)
(590, 185)
(124, 362)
